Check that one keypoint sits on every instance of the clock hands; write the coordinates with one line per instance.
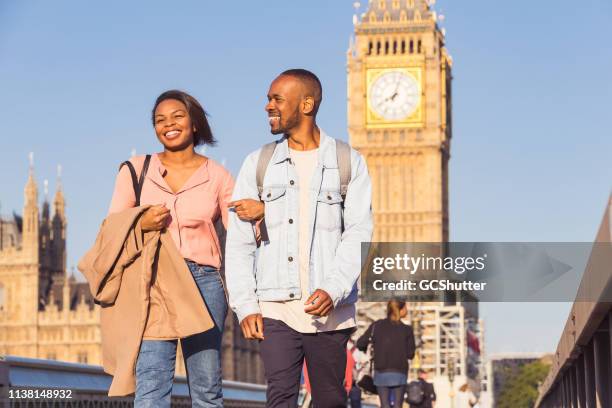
(395, 92)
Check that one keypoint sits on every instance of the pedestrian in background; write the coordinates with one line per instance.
(426, 393)
(393, 346)
(466, 397)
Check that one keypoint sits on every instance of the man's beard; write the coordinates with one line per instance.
(291, 123)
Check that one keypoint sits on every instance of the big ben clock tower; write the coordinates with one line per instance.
(399, 117)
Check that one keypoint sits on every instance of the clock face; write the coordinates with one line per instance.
(394, 95)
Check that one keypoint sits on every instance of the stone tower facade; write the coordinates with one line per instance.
(46, 313)
(399, 117)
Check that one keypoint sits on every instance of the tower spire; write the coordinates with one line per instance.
(31, 190)
(59, 203)
(59, 226)
(30, 215)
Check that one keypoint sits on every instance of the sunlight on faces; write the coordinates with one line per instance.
(173, 125)
(286, 104)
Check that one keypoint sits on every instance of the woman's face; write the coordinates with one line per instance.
(173, 125)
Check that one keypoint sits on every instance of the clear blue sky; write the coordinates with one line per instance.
(531, 154)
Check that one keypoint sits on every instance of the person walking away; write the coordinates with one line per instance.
(393, 347)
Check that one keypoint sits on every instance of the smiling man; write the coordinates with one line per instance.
(297, 292)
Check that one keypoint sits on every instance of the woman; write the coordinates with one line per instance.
(188, 194)
(466, 398)
(393, 346)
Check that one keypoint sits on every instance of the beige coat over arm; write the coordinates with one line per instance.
(145, 289)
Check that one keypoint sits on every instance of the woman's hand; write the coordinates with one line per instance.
(248, 209)
(155, 218)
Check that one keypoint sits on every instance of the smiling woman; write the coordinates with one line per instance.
(188, 197)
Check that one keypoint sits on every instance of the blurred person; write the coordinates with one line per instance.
(393, 347)
(353, 371)
(295, 292)
(466, 398)
(424, 390)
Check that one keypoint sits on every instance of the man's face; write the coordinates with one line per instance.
(284, 99)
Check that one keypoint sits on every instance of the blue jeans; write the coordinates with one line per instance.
(201, 352)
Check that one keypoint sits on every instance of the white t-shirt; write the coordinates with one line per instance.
(291, 312)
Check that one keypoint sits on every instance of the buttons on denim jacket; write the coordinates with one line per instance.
(290, 259)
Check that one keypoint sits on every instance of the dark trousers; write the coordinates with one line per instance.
(355, 396)
(283, 351)
(385, 393)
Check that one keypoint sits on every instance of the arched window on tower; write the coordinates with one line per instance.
(370, 47)
(2, 297)
(386, 47)
(378, 47)
(411, 46)
(419, 48)
(403, 46)
(394, 46)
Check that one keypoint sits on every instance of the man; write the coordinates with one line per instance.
(297, 293)
(429, 394)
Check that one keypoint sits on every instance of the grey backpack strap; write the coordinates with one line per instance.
(343, 156)
(265, 155)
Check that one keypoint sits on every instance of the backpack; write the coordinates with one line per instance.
(415, 394)
(343, 157)
(137, 182)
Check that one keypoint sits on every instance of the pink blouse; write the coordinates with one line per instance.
(194, 209)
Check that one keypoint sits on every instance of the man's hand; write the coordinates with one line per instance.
(252, 326)
(319, 303)
(248, 209)
(155, 218)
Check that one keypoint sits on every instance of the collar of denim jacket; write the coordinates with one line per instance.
(326, 154)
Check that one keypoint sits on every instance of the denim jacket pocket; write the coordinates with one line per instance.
(272, 196)
(329, 210)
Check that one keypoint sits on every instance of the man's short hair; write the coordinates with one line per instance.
(311, 83)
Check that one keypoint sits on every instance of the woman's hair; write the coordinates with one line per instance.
(202, 133)
(394, 308)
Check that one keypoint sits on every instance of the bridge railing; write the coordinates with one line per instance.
(25, 380)
(581, 373)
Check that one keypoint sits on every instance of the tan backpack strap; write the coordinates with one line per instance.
(265, 155)
(343, 156)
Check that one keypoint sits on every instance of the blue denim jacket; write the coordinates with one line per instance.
(272, 273)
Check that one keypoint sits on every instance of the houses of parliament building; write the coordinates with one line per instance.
(46, 313)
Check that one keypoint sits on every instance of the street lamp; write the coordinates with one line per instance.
(450, 367)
